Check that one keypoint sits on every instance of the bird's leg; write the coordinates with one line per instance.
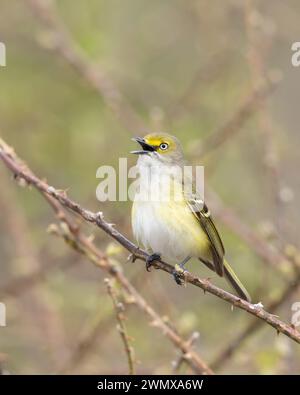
(151, 258)
(179, 270)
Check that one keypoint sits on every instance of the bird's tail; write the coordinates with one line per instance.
(235, 282)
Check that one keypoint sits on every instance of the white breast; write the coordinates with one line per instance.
(165, 227)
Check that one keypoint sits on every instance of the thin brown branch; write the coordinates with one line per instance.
(9, 158)
(65, 47)
(213, 69)
(28, 264)
(76, 240)
(259, 47)
(239, 340)
(86, 341)
(119, 308)
(229, 218)
(98, 326)
(191, 341)
(243, 113)
(85, 247)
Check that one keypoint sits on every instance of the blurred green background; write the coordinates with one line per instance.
(182, 66)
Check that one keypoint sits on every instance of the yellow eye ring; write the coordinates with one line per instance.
(164, 146)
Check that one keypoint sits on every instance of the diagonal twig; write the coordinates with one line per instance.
(179, 361)
(228, 216)
(246, 109)
(10, 160)
(82, 244)
(63, 44)
(119, 308)
(234, 345)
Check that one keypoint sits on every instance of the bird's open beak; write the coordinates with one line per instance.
(146, 147)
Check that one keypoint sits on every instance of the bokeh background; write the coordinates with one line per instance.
(189, 67)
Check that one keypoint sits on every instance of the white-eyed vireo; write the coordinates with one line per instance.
(169, 218)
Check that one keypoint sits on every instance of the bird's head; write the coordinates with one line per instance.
(160, 147)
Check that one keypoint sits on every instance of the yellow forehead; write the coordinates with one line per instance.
(157, 139)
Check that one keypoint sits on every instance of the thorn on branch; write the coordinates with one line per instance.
(120, 309)
(20, 181)
(184, 357)
(51, 191)
(14, 164)
(81, 244)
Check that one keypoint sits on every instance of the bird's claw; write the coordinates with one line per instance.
(178, 273)
(150, 259)
(177, 278)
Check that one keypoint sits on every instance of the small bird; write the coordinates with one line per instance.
(176, 224)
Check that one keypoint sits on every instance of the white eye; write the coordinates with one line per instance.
(164, 146)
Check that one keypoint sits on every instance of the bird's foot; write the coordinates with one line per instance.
(151, 259)
(179, 275)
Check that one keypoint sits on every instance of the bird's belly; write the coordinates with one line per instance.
(168, 228)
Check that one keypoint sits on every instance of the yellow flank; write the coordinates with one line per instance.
(178, 217)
